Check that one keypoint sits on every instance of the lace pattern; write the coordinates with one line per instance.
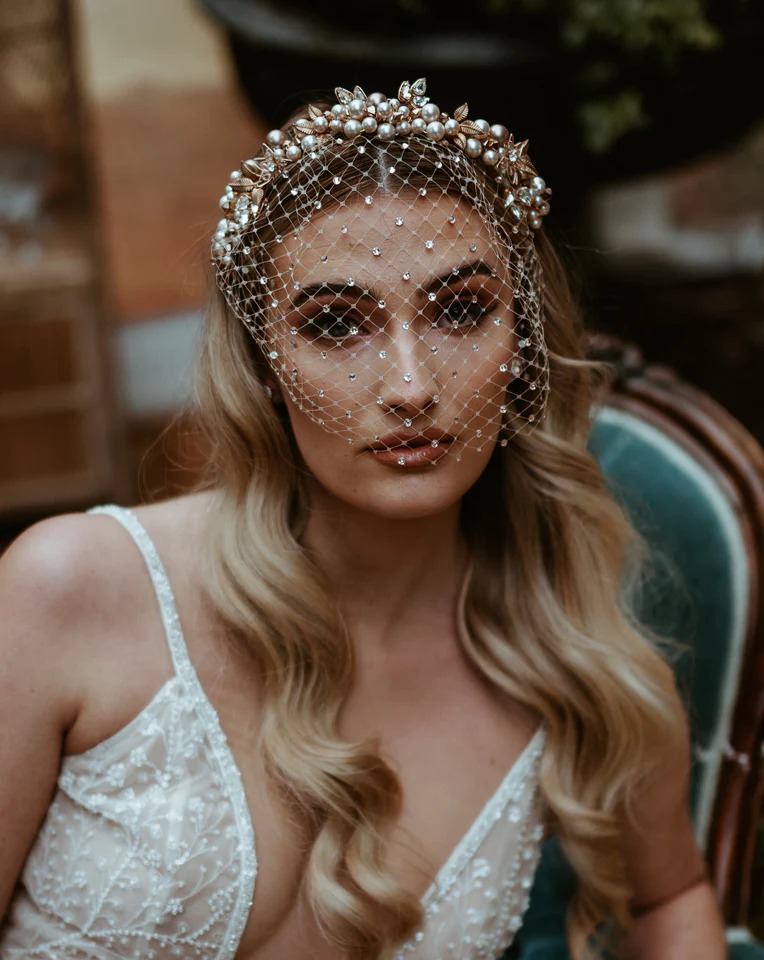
(477, 902)
(148, 850)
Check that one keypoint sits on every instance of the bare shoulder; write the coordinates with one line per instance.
(78, 613)
(73, 567)
(49, 573)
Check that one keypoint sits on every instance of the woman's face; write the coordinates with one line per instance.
(390, 328)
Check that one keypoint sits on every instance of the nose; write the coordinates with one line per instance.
(408, 385)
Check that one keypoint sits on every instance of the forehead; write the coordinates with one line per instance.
(378, 237)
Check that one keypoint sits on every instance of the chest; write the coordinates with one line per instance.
(163, 833)
(450, 741)
(449, 738)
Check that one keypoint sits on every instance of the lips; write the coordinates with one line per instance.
(410, 450)
(409, 439)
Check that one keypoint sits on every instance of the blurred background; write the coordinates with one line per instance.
(120, 123)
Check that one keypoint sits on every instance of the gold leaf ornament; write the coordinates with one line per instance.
(471, 129)
(242, 185)
(461, 112)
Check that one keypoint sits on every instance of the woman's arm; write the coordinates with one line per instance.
(688, 925)
(676, 914)
(41, 603)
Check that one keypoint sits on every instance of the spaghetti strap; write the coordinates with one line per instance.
(221, 751)
(162, 588)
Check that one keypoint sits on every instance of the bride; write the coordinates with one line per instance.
(331, 703)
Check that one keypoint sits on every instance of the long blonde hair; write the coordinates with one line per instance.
(544, 618)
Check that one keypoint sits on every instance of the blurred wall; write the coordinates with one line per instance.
(167, 128)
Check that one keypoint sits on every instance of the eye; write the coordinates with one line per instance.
(331, 325)
(462, 312)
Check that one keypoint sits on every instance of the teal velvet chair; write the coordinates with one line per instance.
(692, 480)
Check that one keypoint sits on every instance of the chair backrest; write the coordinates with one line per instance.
(692, 481)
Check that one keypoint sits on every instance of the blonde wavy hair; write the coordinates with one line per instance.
(544, 616)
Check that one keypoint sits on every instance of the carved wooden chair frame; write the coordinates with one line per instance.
(712, 436)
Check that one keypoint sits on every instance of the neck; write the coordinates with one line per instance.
(387, 572)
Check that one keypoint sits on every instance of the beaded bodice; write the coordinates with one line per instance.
(148, 849)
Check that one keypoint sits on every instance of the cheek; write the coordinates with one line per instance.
(324, 451)
(484, 390)
(325, 385)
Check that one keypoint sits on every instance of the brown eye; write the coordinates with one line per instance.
(330, 325)
(462, 313)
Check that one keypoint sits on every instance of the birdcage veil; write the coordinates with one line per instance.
(382, 255)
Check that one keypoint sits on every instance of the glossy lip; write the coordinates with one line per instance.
(408, 449)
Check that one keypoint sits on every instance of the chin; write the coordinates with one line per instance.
(402, 493)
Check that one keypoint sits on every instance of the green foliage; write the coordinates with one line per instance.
(605, 38)
(606, 120)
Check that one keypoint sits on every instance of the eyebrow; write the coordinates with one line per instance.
(476, 268)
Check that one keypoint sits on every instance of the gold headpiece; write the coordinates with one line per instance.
(411, 113)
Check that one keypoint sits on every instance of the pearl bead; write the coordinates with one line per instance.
(435, 130)
(384, 110)
(356, 109)
(320, 124)
(404, 128)
(278, 153)
(452, 127)
(473, 148)
(335, 125)
(490, 158)
(293, 152)
(484, 125)
(418, 124)
(339, 111)
(352, 128)
(394, 103)
(368, 124)
(404, 112)
(543, 208)
(386, 131)
(375, 98)
(274, 137)
(537, 184)
(235, 175)
(430, 112)
(499, 132)
(309, 143)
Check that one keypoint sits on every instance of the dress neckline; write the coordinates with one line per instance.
(186, 672)
(454, 864)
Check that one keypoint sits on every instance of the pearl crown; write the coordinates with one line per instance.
(411, 113)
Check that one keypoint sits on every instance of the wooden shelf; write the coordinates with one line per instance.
(61, 437)
(58, 258)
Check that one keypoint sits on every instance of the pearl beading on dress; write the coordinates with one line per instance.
(148, 849)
